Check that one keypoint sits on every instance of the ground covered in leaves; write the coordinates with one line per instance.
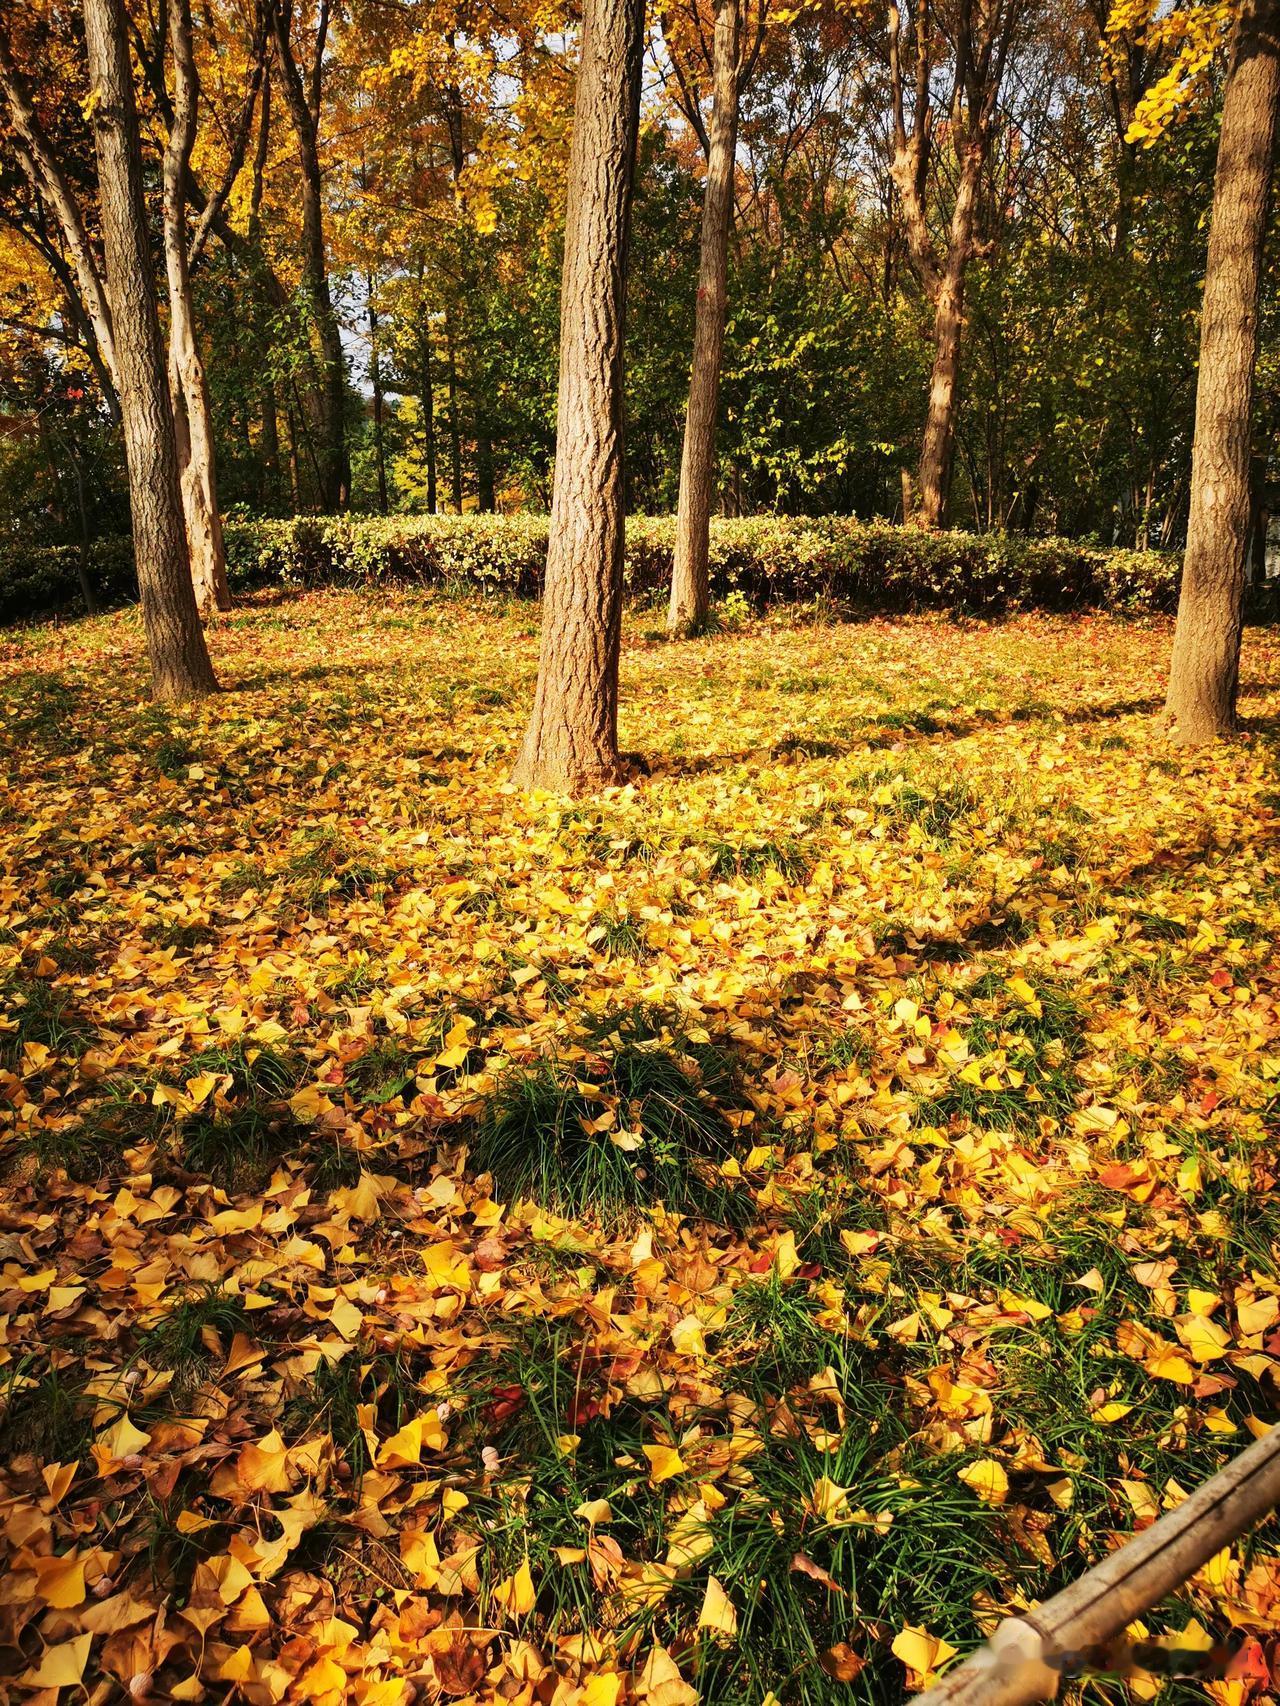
(727, 1240)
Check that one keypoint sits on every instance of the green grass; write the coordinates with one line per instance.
(619, 936)
(939, 812)
(532, 1134)
(254, 1070)
(235, 1148)
(45, 1412)
(91, 1146)
(194, 1335)
(34, 1011)
(384, 1071)
(751, 858)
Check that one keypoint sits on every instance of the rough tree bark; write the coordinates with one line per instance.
(1205, 669)
(188, 389)
(938, 445)
(690, 581)
(304, 115)
(180, 667)
(572, 740)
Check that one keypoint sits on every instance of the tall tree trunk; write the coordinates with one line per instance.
(572, 739)
(1204, 673)
(47, 178)
(335, 473)
(455, 439)
(690, 580)
(295, 473)
(375, 383)
(180, 667)
(269, 443)
(428, 394)
(189, 392)
(485, 495)
(938, 449)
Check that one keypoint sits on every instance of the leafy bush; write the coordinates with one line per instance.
(754, 560)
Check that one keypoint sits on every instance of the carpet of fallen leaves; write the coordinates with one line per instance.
(301, 1404)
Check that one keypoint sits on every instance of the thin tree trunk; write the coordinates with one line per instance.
(180, 667)
(690, 579)
(85, 549)
(375, 382)
(485, 495)
(193, 427)
(455, 440)
(47, 177)
(572, 739)
(1204, 673)
(938, 449)
(269, 443)
(295, 481)
(429, 417)
(335, 474)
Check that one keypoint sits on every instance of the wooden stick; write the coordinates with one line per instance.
(1025, 1658)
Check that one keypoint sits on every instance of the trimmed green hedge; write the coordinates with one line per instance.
(872, 565)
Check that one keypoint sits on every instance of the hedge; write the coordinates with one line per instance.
(872, 565)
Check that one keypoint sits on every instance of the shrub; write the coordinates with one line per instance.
(755, 560)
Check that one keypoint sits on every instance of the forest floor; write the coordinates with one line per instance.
(730, 1239)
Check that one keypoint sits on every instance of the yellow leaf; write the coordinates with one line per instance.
(1111, 1412)
(309, 1103)
(602, 1689)
(921, 1652)
(516, 1595)
(61, 1666)
(688, 1338)
(987, 1479)
(404, 1449)
(827, 1499)
(717, 1612)
(60, 1581)
(1141, 1496)
(664, 1462)
(593, 1511)
(112, 1447)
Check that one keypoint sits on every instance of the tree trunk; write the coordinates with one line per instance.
(270, 446)
(375, 383)
(939, 427)
(429, 417)
(572, 739)
(180, 667)
(485, 495)
(1204, 673)
(48, 179)
(193, 428)
(335, 473)
(938, 448)
(690, 580)
(455, 439)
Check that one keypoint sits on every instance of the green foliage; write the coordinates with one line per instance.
(755, 560)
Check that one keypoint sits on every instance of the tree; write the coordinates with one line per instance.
(1205, 668)
(690, 594)
(180, 666)
(979, 35)
(302, 98)
(572, 739)
(189, 392)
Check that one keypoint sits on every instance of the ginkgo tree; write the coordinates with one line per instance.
(1205, 668)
